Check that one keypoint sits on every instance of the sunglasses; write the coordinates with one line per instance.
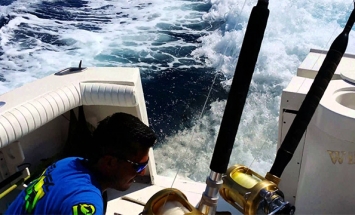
(139, 167)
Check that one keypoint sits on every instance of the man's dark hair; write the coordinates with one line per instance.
(122, 134)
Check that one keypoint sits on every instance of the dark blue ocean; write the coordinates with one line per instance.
(186, 50)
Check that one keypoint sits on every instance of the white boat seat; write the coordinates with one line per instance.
(21, 120)
(108, 94)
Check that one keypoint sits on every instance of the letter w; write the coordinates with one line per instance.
(336, 156)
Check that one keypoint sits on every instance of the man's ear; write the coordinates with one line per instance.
(109, 161)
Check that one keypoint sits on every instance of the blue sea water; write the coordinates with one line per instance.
(183, 48)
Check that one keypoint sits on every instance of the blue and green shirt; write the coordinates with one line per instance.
(65, 187)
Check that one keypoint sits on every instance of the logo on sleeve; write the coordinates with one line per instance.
(83, 209)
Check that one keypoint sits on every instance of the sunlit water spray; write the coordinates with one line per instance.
(289, 35)
(179, 46)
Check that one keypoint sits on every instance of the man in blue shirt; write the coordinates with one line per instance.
(75, 185)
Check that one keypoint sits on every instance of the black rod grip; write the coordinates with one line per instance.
(240, 85)
(312, 99)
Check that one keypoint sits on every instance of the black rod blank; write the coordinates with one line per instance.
(240, 85)
(312, 99)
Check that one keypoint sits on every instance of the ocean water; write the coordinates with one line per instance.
(187, 51)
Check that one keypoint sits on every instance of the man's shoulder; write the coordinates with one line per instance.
(70, 173)
(70, 163)
(73, 175)
(70, 159)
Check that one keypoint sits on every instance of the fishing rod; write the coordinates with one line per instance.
(251, 193)
(312, 99)
(235, 103)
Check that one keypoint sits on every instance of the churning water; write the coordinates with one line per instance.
(183, 48)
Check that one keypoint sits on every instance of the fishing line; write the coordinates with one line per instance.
(210, 90)
(199, 118)
(192, 135)
(207, 98)
(326, 45)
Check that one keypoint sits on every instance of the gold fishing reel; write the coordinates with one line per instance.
(169, 201)
(251, 193)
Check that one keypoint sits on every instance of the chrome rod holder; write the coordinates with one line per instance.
(209, 199)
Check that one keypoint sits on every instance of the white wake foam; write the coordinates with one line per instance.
(293, 29)
(105, 31)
